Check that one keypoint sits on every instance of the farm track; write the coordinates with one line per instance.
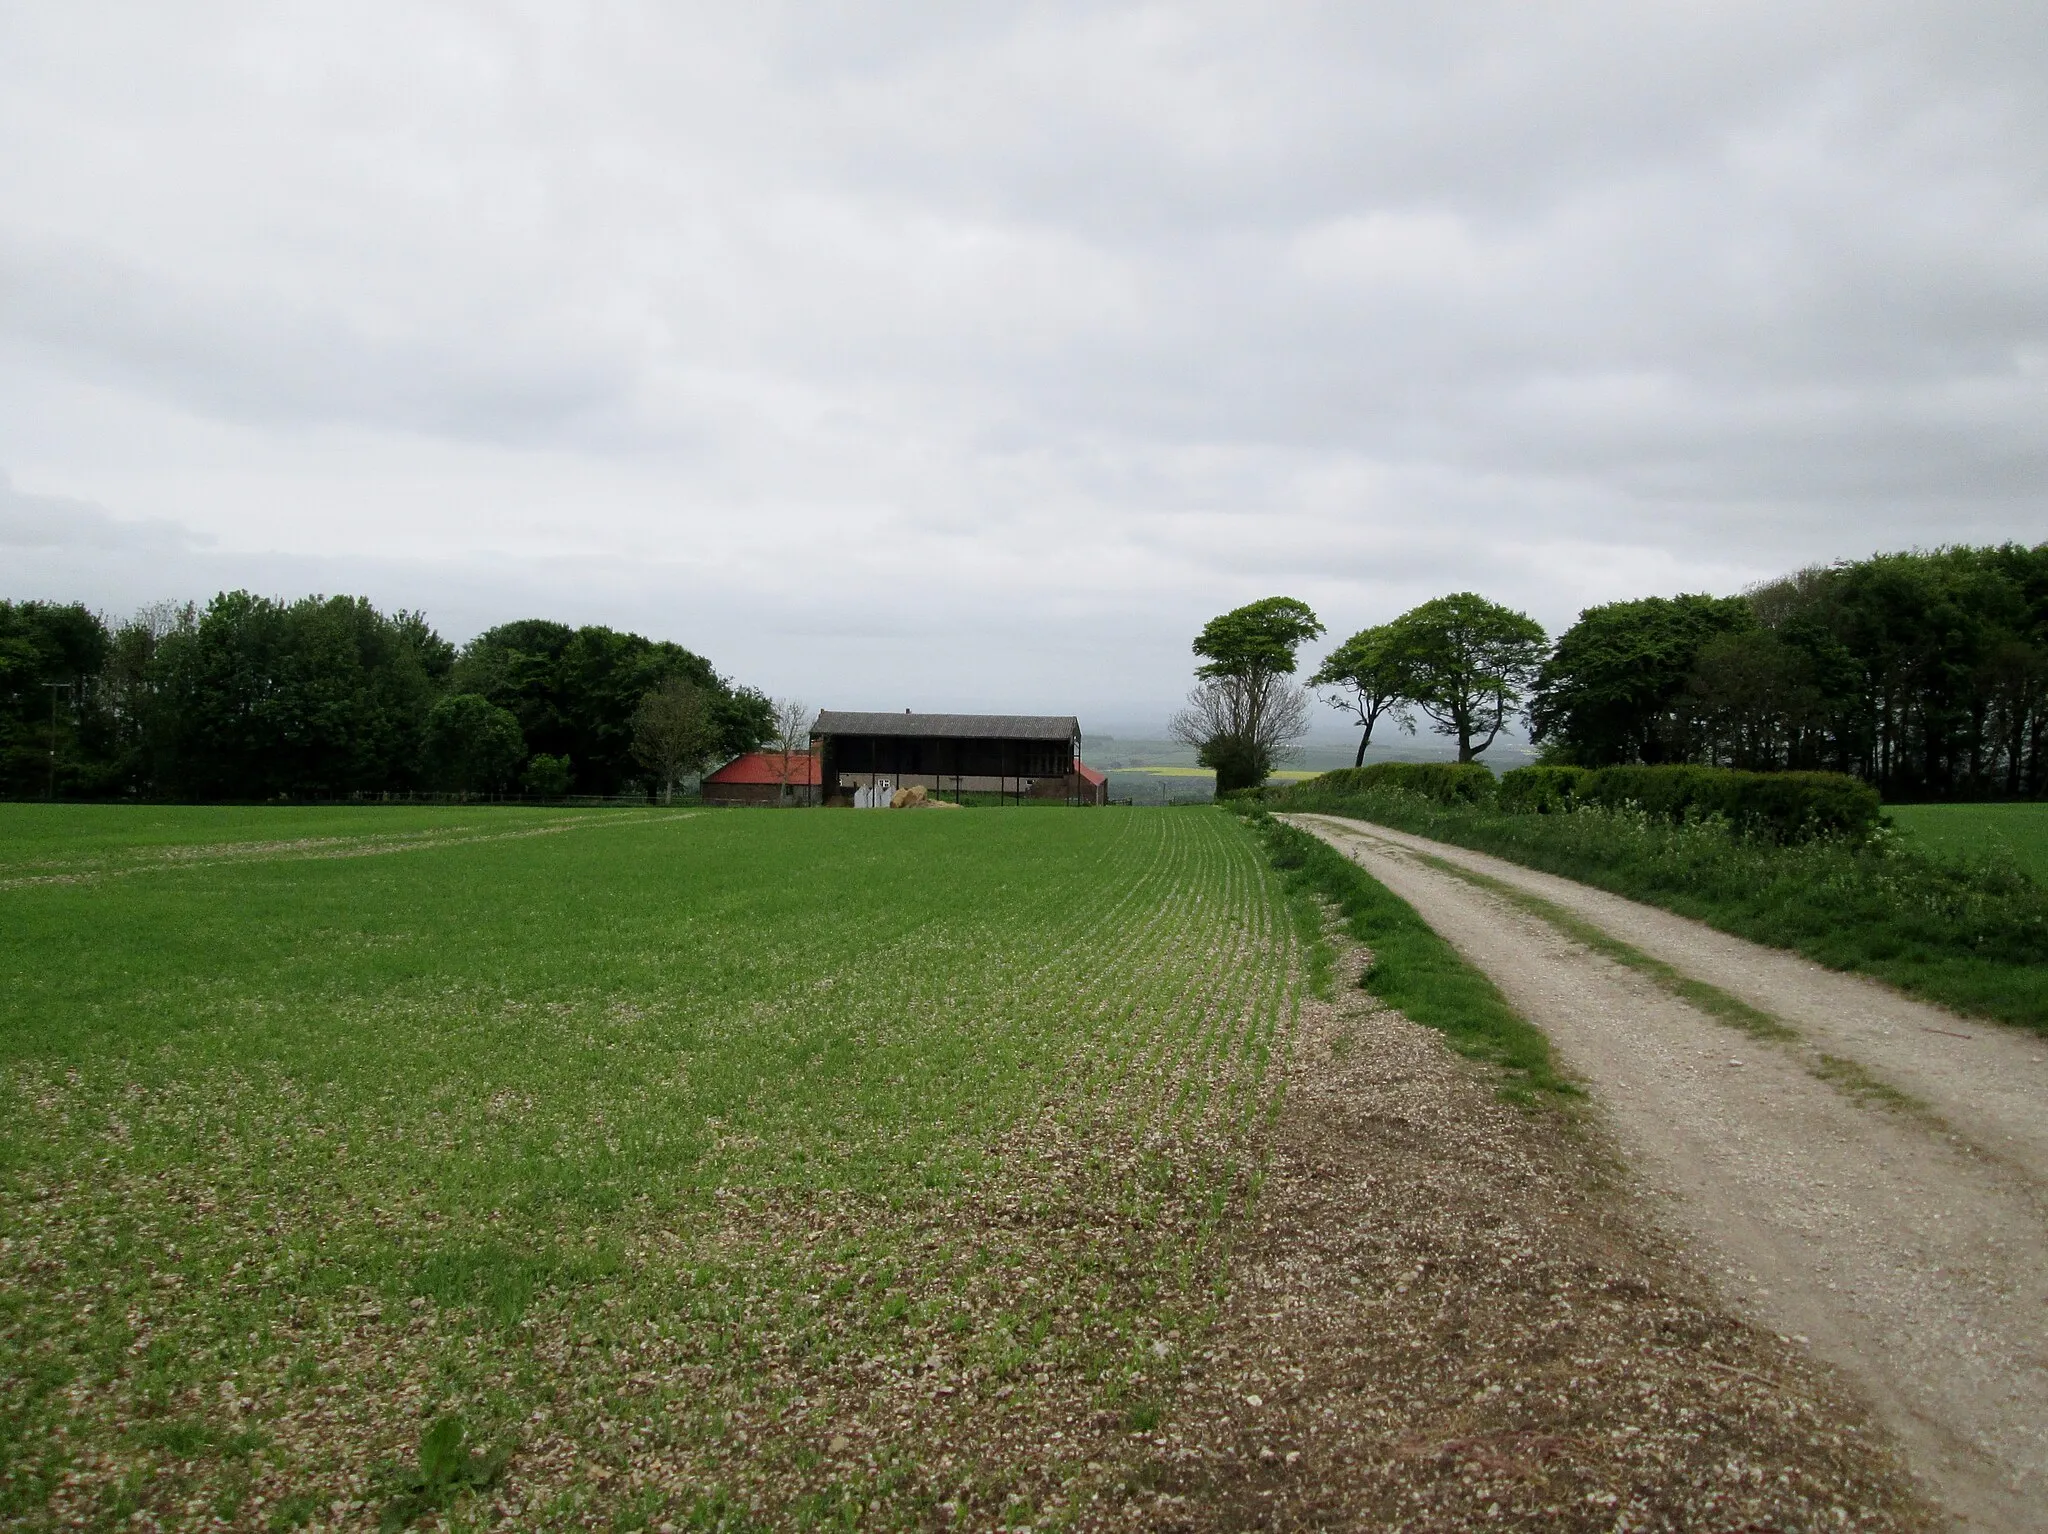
(1874, 1179)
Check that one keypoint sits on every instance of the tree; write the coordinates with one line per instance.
(742, 720)
(791, 740)
(315, 699)
(1613, 690)
(49, 656)
(1242, 726)
(1470, 661)
(674, 732)
(130, 694)
(1372, 682)
(1244, 714)
(547, 777)
(576, 692)
(1750, 699)
(1256, 640)
(473, 746)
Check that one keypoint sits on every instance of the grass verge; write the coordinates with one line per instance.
(1967, 933)
(1413, 970)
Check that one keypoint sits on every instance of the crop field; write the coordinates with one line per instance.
(2016, 831)
(616, 1168)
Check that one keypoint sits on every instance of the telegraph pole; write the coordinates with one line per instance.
(54, 686)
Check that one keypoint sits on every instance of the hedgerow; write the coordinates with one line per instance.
(1785, 806)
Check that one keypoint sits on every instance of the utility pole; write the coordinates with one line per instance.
(54, 686)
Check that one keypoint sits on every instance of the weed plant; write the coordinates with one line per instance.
(722, 1169)
(1967, 932)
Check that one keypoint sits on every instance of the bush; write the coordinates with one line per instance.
(1542, 790)
(1782, 806)
(1444, 782)
(547, 777)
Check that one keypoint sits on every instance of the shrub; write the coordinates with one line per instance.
(547, 777)
(1542, 790)
(1782, 806)
(1444, 782)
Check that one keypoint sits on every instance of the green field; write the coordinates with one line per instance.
(2017, 831)
(712, 1168)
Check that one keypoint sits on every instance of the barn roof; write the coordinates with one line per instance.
(1090, 775)
(766, 767)
(1060, 727)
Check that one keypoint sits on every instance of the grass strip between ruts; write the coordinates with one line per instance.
(1415, 971)
(1711, 999)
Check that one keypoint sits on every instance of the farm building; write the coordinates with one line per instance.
(1026, 756)
(765, 777)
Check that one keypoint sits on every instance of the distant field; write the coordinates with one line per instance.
(2018, 830)
(1176, 785)
(719, 1168)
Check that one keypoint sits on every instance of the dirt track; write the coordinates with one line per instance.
(1907, 1239)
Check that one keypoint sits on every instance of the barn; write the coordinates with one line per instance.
(765, 777)
(1023, 756)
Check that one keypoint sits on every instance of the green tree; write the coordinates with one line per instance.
(321, 698)
(130, 696)
(1921, 668)
(1471, 662)
(1371, 681)
(473, 746)
(1750, 701)
(50, 655)
(1244, 714)
(547, 777)
(1613, 689)
(575, 692)
(675, 731)
(1256, 640)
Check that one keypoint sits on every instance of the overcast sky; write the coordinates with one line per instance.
(972, 356)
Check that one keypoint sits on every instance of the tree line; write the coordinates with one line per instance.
(1924, 673)
(254, 699)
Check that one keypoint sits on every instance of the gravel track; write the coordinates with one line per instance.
(1907, 1242)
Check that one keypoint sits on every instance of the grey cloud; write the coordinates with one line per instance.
(59, 522)
(878, 324)
(256, 356)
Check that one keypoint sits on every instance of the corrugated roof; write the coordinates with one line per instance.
(1090, 775)
(951, 726)
(766, 767)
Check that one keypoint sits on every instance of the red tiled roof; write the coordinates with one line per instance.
(1090, 775)
(766, 767)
